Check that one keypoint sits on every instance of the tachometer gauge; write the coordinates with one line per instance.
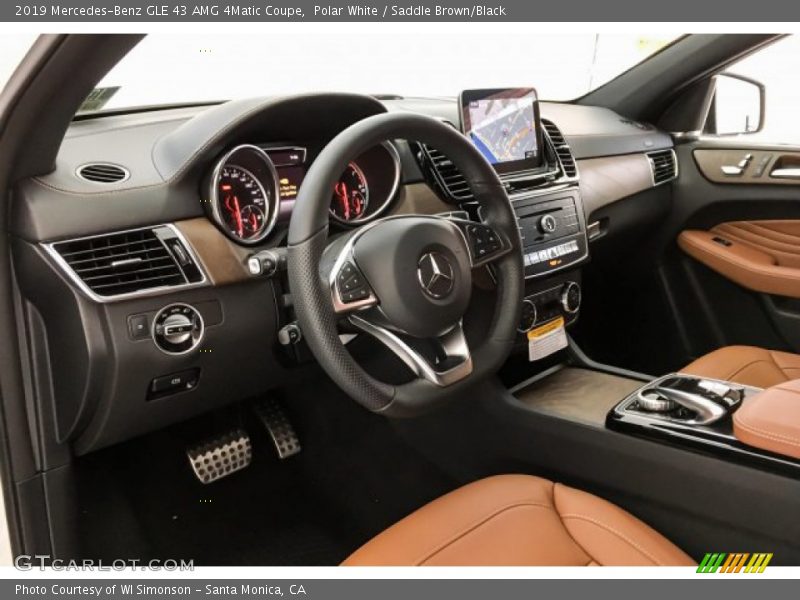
(350, 195)
(244, 194)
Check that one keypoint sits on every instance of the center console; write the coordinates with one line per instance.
(701, 414)
(534, 162)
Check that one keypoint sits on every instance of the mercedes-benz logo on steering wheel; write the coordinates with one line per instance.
(435, 274)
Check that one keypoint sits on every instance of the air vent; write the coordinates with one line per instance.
(561, 148)
(103, 173)
(129, 262)
(447, 175)
(664, 165)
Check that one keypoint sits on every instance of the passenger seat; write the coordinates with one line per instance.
(747, 365)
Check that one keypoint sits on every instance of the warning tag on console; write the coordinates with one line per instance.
(547, 339)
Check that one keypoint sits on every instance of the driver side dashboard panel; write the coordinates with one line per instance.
(107, 380)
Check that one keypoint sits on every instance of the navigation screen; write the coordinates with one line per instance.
(504, 126)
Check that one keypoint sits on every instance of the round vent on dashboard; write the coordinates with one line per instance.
(103, 173)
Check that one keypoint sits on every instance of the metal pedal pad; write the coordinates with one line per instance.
(220, 456)
(280, 429)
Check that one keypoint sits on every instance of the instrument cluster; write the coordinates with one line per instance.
(254, 187)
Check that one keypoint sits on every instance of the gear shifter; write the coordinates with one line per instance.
(707, 410)
(689, 400)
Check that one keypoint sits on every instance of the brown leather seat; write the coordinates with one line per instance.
(747, 365)
(519, 520)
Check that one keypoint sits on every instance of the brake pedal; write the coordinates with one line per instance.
(221, 456)
(280, 429)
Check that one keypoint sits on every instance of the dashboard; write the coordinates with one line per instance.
(132, 256)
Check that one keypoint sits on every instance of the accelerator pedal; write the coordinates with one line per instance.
(220, 456)
(284, 437)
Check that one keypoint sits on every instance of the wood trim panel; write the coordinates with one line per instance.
(223, 261)
(419, 199)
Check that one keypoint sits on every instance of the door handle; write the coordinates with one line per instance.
(786, 173)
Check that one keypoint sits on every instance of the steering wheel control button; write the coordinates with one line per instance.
(351, 285)
(178, 328)
(483, 241)
(435, 274)
(138, 327)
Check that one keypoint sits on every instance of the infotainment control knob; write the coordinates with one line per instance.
(571, 298)
(548, 224)
(177, 328)
(528, 317)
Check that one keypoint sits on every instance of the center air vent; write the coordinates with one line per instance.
(103, 173)
(447, 174)
(451, 182)
(129, 262)
(561, 148)
(664, 165)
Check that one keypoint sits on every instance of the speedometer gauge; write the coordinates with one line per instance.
(350, 195)
(244, 194)
(243, 202)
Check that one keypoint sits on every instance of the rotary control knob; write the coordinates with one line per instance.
(177, 328)
(548, 224)
(652, 401)
(528, 317)
(571, 298)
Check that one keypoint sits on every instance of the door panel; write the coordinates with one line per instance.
(651, 307)
(733, 244)
(762, 256)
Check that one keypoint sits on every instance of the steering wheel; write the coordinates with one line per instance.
(405, 280)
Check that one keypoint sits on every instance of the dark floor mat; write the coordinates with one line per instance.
(354, 478)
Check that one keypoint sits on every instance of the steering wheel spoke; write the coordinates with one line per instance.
(451, 360)
(484, 242)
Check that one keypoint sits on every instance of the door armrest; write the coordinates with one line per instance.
(750, 267)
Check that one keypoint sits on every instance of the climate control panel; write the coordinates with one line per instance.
(561, 300)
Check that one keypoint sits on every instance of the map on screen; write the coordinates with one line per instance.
(504, 128)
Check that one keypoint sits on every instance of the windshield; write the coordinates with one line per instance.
(167, 69)
(13, 47)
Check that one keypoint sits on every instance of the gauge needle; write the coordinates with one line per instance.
(239, 223)
(341, 191)
(237, 214)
